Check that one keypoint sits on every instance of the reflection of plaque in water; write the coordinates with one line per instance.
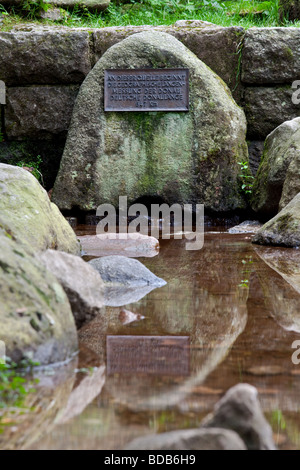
(155, 355)
(146, 90)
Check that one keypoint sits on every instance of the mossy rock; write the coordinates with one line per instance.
(28, 214)
(183, 157)
(284, 228)
(35, 313)
(277, 179)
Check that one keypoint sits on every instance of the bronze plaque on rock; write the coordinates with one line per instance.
(146, 90)
(155, 355)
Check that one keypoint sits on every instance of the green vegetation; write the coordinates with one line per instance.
(16, 382)
(33, 166)
(245, 13)
(246, 178)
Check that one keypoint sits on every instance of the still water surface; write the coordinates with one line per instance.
(234, 310)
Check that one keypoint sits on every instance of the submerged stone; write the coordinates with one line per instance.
(183, 157)
(133, 245)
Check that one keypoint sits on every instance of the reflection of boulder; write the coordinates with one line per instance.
(88, 389)
(27, 424)
(204, 300)
(236, 423)
(189, 439)
(282, 297)
(117, 296)
(240, 411)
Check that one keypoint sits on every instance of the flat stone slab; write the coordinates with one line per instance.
(133, 246)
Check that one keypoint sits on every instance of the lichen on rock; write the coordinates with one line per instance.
(182, 157)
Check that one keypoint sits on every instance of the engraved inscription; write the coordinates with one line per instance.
(155, 355)
(146, 90)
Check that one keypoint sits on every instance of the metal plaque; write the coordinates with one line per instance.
(153, 355)
(146, 90)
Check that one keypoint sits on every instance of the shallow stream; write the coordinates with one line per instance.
(228, 314)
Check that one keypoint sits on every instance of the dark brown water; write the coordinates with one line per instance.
(234, 319)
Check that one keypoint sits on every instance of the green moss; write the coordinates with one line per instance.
(289, 53)
(285, 223)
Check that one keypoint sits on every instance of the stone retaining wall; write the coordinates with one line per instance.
(43, 68)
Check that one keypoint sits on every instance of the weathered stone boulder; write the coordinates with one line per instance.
(121, 270)
(280, 158)
(283, 229)
(182, 157)
(35, 314)
(189, 439)
(39, 112)
(270, 56)
(44, 56)
(291, 185)
(240, 411)
(266, 108)
(29, 216)
(217, 46)
(82, 284)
